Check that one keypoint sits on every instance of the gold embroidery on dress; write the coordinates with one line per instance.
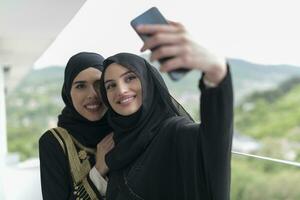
(79, 164)
(82, 155)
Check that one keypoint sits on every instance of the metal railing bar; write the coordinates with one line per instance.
(296, 164)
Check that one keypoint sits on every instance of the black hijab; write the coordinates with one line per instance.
(88, 133)
(133, 133)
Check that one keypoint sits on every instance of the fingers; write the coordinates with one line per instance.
(180, 56)
(155, 28)
(106, 137)
(110, 146)
(109, 143)
(103, 147)
(164, 39)
(174, 63)
(161, 34)
(105, 142)
(175, 23)
(169, 51)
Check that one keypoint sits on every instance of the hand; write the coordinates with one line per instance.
(103, 147)
(174, 41)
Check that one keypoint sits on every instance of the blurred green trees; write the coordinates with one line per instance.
(271, 117)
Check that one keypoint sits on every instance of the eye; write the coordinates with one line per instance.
(110, 86)
(130, 77)
(80, 86)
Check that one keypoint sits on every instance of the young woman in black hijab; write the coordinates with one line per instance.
(72, 155)
(160, 152)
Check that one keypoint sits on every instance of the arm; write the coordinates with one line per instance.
(56, 181)
(216, 131)
(204, 150)
(98, 180)
(99, 171)
(214, 136)
(174, 41)
(56, 177)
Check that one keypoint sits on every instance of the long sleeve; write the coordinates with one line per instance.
(216, 131)
(204, 150)
(99, 182)
(55, 177)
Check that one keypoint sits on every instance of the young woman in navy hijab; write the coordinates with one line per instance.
(160, 152)
(72, 154)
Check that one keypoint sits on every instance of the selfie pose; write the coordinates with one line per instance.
(160, 152)
(72, 155)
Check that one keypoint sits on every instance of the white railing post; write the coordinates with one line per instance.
(3, 133)
(3, 138)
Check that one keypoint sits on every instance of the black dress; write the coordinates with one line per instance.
(57, 179)
(68, 153)
(180, 159)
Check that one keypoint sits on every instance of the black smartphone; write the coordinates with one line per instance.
(153, 16)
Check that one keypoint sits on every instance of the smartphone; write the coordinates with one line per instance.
(153, 16)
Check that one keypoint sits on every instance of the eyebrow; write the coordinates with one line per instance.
(125, 73)
(77, 82)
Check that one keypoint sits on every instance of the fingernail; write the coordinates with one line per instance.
(138, 27)
(143, 48)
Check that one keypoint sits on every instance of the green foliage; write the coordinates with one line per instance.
(251, 182)
(272, 117)
(275, 118)
(34, 104)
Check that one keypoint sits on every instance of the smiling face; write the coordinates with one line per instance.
(85, 95)
(123, 88)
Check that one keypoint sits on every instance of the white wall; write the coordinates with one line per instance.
(22, 181)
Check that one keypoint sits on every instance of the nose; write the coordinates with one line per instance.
(93, 93)
(122, 88)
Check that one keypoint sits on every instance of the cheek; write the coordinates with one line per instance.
(140, 94)
(140, 90)
(140, 100)
(110, 97)
(76, 100)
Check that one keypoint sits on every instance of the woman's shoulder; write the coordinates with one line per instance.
(181, 133)
(177, 127)
(51, 153)
(47, 135)
(48, 140)
(178, 124)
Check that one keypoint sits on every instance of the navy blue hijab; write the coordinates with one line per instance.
(88, 133)
(133, 133)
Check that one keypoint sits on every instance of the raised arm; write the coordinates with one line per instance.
(213, 136)
(216, 131)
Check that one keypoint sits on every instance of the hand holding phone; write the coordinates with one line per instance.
(153, 16)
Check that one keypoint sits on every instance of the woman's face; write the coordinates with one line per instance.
(123, 88)
(85, 95)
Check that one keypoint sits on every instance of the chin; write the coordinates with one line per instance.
(95, 117)
(128, 112)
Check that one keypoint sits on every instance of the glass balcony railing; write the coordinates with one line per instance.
(257, 177)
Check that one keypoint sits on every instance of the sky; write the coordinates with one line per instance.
(260, 31)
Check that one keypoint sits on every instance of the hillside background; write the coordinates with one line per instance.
(267, 115)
